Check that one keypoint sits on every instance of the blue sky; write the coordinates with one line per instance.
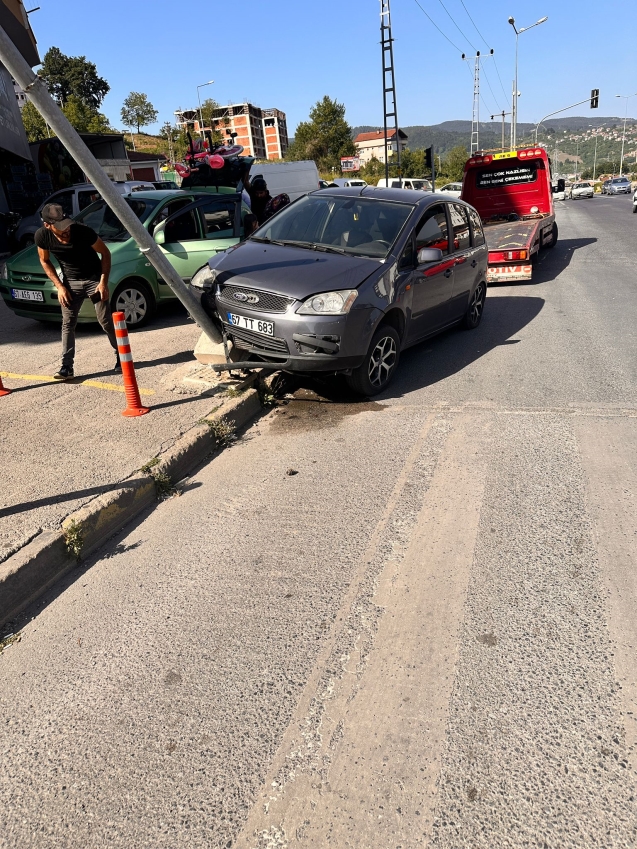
(290, 53)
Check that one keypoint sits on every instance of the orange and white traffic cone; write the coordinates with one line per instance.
(3, 391)
(133, 401)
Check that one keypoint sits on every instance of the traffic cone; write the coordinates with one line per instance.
(133, 401)
(3, 391)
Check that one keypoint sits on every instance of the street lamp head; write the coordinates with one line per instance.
(541, 21)
(511, 20)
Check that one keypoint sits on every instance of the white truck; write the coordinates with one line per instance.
(294, 178)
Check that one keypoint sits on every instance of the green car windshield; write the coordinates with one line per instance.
(350, 225)
(101, 218)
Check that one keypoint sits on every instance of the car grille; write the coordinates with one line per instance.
(258, 341)
(18, 279)
(268, 301)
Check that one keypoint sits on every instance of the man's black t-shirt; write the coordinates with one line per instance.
(77, 259)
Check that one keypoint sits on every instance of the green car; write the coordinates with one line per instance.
(195, 225)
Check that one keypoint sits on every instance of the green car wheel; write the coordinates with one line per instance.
(136, 301)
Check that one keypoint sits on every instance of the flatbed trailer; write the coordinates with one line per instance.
(513, 193)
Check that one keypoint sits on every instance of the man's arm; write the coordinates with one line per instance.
(100, 248)
(64, 295)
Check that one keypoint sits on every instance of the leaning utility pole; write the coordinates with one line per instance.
(390, 112)
(38, 94)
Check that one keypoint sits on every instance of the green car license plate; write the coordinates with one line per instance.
(26, 295)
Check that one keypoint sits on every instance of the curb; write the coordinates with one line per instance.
(36, 567)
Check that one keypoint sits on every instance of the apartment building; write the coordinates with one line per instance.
(262, 133)
(372, 144)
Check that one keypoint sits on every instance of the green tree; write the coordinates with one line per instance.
(34, 124)
(372, 171)
(325, 138)
(138, 111)
(608, 166)
(84, 118)
(453, 163)
(73, 76)
(208, 112)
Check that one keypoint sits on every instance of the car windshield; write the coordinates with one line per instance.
(101, 218)
(349, 225)
(620, 180)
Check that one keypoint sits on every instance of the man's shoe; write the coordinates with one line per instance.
(65, 373)
(118, 366)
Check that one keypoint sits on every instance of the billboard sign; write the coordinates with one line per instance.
(12, 135)
(350, 163)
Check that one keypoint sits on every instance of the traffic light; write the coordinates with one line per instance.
(594, 98)
(429, 157)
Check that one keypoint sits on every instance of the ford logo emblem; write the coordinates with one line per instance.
(246, 298)
(240, 296)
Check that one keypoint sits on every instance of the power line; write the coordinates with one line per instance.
(506, 96)
(495, 99)
(486, 44)
(474, 24)
(455, 46)
(457, 27)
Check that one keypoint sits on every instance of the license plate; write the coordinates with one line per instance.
(509, 272)
(254, 324)
(26, 295)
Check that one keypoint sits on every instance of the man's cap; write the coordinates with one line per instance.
(259, 184)
(53, 214)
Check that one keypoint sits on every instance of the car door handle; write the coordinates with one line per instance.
(474, 263)
(447, 273)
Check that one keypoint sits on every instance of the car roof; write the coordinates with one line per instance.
(406, 196)
(157, 194)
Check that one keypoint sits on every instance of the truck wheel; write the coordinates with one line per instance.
(473, 315)
(377, 369)
(553, 241)
(136, 301)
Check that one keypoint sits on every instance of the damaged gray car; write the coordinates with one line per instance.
(343, 280)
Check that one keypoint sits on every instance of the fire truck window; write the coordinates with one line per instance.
(506, 175)
(460, 224)
(432, 230)
(476, 226)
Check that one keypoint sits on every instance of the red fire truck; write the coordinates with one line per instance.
(512, 191)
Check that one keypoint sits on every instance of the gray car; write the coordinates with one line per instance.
(619, 186)
(342, 280)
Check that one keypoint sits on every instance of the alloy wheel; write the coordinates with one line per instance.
(477, 304)
(133, 304)
(382, 361)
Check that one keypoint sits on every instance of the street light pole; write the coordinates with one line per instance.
(595, 157)
(503, 113)
(514, 116)
(203, 85)
(626, 98)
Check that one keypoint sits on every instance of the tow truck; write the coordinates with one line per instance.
(513, 192)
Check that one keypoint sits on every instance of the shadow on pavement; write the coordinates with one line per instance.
(551, 263)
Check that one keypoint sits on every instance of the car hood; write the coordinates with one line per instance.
(28, 261)
(294, 272)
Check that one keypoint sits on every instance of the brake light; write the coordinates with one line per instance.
(488, 158)
(507, 256)
(522, 154)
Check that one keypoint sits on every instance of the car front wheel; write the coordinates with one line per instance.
(377, 369)
(136, 301)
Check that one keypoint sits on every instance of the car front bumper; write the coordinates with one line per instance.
(302, 343)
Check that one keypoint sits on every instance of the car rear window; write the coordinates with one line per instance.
(354, 225)
(107, 225)
(506, 175)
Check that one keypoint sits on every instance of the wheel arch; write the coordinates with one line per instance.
(395, 318)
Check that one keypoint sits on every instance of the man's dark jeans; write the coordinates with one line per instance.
(80, 290)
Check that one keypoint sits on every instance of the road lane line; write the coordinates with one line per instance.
(96, 384)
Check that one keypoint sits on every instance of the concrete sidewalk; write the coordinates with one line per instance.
(64, 444)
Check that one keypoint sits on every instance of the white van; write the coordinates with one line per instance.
(417, 184)
(294, 178)
(350, 182)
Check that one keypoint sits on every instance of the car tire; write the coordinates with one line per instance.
(136, 300)
(379, 366)
(473, 315)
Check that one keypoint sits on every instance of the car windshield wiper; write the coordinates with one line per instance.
(266, 240)
(329, 249)
(314, 246)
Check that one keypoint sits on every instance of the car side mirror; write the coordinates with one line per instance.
(159, 234)
(429, 255)
(561, 185)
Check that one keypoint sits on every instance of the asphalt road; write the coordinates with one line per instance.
(400, 623)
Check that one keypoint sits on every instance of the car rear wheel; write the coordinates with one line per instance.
(377, 369)
(473, 315)
(136, 301)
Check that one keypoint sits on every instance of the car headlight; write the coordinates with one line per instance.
(204, 278)
(5, 272)
(329, 303)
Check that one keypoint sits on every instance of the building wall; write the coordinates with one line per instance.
(262, 133)
(375, 147)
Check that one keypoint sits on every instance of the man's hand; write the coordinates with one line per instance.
(64, 296)
(102, 288)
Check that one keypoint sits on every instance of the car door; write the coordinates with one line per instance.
(432, 283)
(464, 270)
(183, 236)
(222, 226)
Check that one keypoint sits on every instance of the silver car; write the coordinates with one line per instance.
(618, 186)
(343, 280)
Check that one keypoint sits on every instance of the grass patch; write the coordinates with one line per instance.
(233, 391)
(74, 539)
(164, 487)
(221, 429)
(146, 468)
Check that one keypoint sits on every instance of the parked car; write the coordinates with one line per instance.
(189, 226)
(347, 182)
(292, 178)
(582, 190)
(635, 201)
(323, 184)
(165, 185)
(453, 189)
(72, 200)
(619, 186)
(418, 184)
(343, 280)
